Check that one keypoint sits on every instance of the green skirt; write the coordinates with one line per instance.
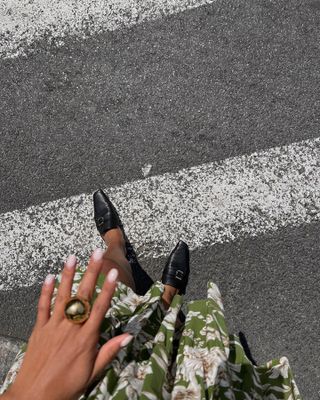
(199, 360)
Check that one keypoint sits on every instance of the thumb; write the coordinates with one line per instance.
(108, 352)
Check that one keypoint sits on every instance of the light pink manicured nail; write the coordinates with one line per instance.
(97, 254)
(49, 279)
(112, 275)
(126, 341)
(71, 261)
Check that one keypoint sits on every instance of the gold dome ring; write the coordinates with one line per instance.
(77, 309)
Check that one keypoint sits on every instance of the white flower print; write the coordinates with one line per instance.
(161, 360)
(214, 294)
(103, 387)
(296, 392)
(280, 369)
(192, 360)
(143, 370)
(195, 368)
(170, 319)
(223, 376)
(209, 319)
(150, 396)
(128, 379)
(131, 393)
(12, 373)
(192, 392)
(148, 345)
(77, 276)
(132, 301)
(146, 297)
(226, 344)
(210, 333)
(75, 288)
(199, 342)
(214, 360)
(204, 363)
(112, 313)
(188, 332)
(160, 337)
(192, 314)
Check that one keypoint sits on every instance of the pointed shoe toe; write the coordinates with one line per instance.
(177, 269)
(105, 214)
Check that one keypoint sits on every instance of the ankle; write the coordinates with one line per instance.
(115, 237)
(168, 295)
(170, 291)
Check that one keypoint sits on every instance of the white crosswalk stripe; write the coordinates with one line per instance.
(206, 204)
(23, 22)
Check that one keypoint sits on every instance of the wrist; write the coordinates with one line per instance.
(18, 395)
(14, 393)
(6, 396)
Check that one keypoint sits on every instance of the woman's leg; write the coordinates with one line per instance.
(168, 295)
(115, 257)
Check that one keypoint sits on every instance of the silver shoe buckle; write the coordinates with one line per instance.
(100, 221)
(179, 274)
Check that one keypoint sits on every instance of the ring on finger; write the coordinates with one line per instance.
(77, 309)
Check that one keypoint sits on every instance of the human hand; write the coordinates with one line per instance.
(62, 358)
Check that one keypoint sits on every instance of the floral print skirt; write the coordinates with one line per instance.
(196, 360)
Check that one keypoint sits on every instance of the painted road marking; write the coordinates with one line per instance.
(211, 203)
(23, 22)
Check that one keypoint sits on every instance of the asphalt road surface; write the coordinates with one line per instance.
(215, 82)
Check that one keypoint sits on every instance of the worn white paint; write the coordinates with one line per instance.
(23, 22)
(207, 204)
(146, 169)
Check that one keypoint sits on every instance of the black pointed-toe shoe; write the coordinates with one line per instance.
(105, 214)
(177, 269)
(106, 218)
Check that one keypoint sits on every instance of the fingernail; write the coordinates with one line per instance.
(126, 341)
(49, 279)
(97, 254)
(112, 275)
(71, 261)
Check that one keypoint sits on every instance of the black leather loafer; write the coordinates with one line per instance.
(105, 214)
(106, 218)
(177, 269)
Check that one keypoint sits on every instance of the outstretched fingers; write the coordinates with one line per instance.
(108, 352)
(88, 282)
(44, 302)
(102, 302)
(64, 290)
